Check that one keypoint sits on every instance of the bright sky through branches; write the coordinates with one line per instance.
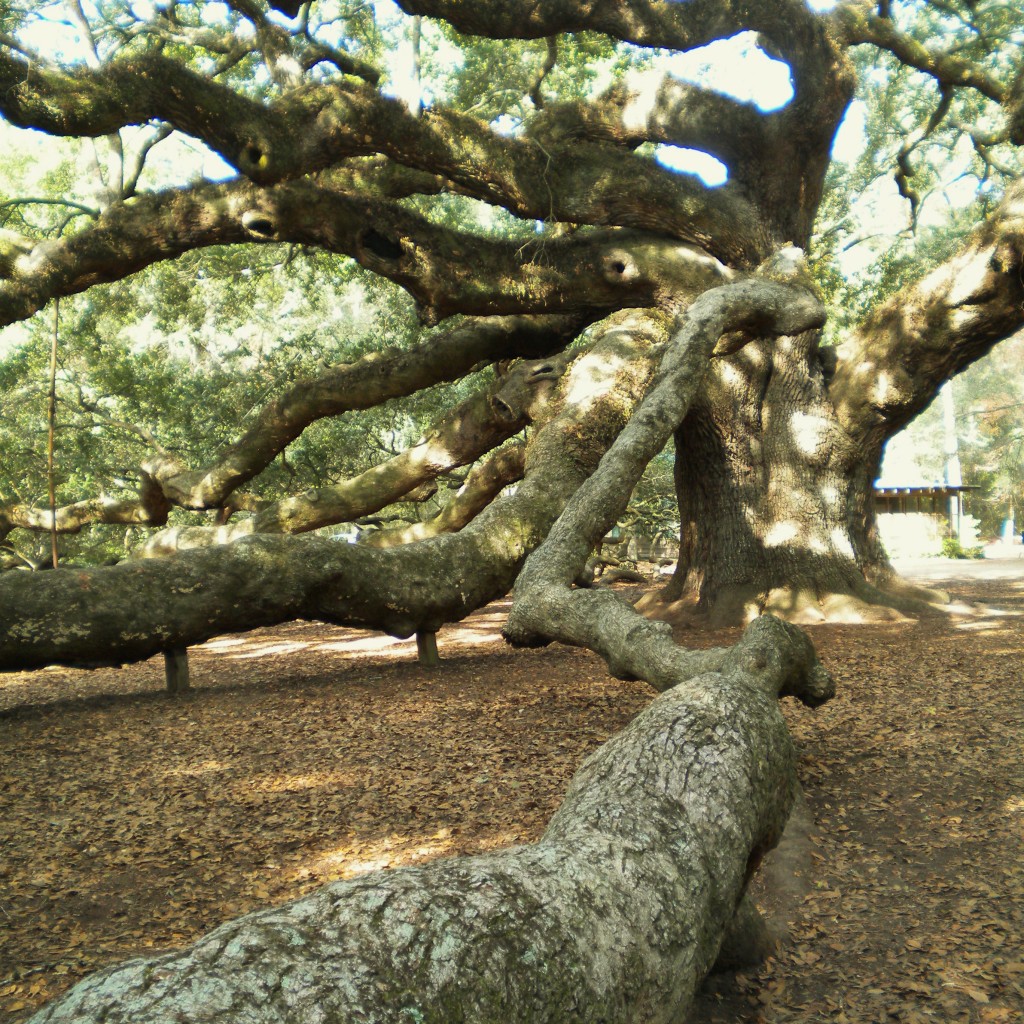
(737, 67)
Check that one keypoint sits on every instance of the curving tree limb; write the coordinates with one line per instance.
(484, 483)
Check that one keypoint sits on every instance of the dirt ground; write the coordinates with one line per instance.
(132, 821)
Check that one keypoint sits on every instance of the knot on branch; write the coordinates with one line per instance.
(620, 268)
(524, 389)
(254, 161)
(375, 243)
(259, 223)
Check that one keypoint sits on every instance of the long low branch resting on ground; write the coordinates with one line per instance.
(615, 915)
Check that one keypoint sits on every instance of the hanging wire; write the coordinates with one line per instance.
(52, 425)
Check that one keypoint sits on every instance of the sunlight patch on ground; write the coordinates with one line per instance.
(197, 770)
(224, 642)
(369, 645)
(265, 650)
(986, 627)
(299, 783)
(356, 643)
(351, 859)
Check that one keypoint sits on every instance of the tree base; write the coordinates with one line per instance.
(895, 601)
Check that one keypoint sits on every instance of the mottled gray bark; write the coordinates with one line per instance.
(615, 915)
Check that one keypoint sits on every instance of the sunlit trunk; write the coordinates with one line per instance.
(774, 499)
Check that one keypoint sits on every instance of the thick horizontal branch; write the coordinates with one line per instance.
(662, 111)
(447, 271)
(893, 364)
(90, 102)
(675, 26)
(75, 517)
(461, 436)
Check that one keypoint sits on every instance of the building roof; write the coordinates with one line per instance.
(924, 490)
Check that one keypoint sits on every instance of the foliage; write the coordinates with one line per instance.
(952, 548)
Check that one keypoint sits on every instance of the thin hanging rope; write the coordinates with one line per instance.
(52, 423)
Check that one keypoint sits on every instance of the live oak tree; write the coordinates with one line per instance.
(517, 200)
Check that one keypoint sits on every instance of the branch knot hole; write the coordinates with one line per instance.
(381, 246)
(254, 158)
(620, 267)
(259, 223)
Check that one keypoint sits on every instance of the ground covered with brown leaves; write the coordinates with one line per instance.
(132, 821)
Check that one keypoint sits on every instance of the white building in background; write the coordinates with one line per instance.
(915, 519)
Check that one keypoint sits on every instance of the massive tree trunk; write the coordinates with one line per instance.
(761, 470)
(767, 482)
